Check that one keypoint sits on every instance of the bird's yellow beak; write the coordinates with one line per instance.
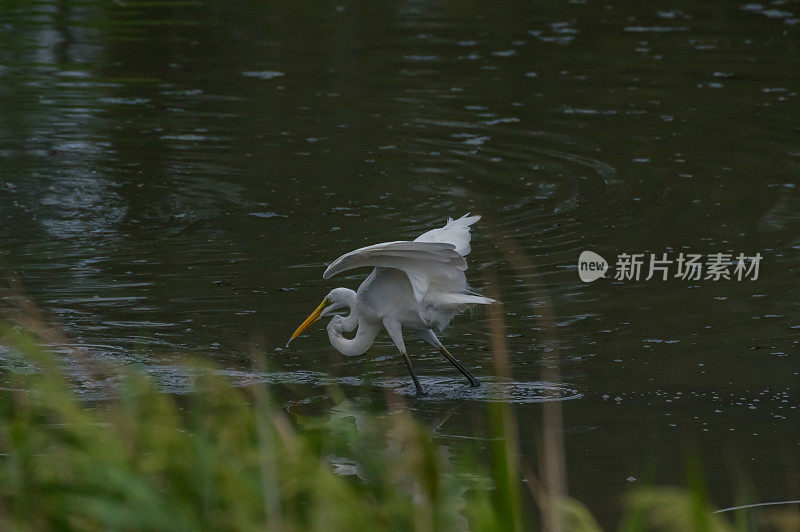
(311, 319)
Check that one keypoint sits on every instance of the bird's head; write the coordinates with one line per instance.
(335, 300)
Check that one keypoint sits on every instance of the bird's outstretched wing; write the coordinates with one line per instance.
(455, 232)
(434, 263)
(424, 263)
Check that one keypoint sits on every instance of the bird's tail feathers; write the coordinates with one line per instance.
(446, 306)
(469, 299)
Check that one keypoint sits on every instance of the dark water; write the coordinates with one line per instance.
(175, 175)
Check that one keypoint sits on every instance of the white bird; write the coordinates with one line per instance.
(416, 285)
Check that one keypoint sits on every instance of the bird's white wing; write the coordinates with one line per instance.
(455, 232)
(425, 264)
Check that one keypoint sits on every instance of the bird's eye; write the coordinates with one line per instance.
(328, 301)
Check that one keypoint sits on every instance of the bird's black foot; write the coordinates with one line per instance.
(472, 380)
(413, 375)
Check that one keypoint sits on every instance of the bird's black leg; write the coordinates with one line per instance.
(472, 380)
(431, 338)
(395, 330)
(411, 370)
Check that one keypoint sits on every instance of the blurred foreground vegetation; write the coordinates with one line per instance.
(228, 458)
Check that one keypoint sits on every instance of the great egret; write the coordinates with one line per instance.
(417, 285)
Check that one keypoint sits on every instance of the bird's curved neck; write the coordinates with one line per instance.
(364, 337)
(350, 322)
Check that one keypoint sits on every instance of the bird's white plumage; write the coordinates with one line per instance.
(414, 285)
(434, 264)
(456, 232)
